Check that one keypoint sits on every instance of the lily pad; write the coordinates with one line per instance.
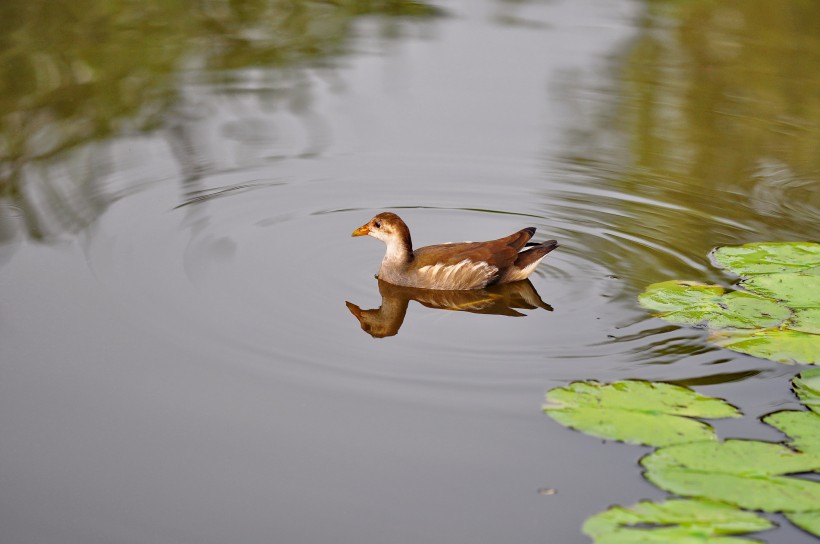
(637, 412)
(781, 345)
(677, 521)
(745, 473)
(808, 521)
(802, 427)
(693, 303)
(767, 257)
(807, 388)
(797, 290)
(805, 320)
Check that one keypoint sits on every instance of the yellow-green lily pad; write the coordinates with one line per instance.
(676, 521)
(808, 521)
(637, 412)
(795, 289)
(807, 388)
(767, 257)
(802, 427)
(781, 345)
(805, 320)
(746, 473)
(694, 303)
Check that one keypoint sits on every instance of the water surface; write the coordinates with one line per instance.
(179, 363)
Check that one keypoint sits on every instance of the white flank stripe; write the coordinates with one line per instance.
(462, 275)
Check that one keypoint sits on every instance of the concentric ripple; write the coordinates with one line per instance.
(261, 264)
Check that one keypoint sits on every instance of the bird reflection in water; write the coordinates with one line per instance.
(503, 299)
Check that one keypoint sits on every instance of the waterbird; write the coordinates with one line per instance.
(453, 266)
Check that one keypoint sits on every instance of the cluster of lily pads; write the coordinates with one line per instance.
(722, 482)
(721, 485)
(776, 313)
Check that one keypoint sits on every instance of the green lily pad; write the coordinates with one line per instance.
(805, 320)
(807, 388)
(745, 473)
(637, 412)
(767, 257)
(802, 427)
(781, 345)
(692, 303)
(797, 290)
(808, 521)
(676, 521)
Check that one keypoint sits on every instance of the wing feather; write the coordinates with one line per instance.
(499, 253)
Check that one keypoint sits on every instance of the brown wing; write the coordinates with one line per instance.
(499, 253)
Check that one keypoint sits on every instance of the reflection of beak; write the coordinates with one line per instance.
(355, 310)
(361, 231)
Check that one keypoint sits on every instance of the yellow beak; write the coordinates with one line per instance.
(364, 230)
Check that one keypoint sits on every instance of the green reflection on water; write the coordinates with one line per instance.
(707, 133)
(75, 73)
(718, 86)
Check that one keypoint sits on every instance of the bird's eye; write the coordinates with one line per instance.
(377, 224)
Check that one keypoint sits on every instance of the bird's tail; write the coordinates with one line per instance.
(535, 253)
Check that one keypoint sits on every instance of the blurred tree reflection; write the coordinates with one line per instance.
(74, 74)
(710, 131)
(717, 86)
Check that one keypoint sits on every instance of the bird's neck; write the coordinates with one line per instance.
(399, 251)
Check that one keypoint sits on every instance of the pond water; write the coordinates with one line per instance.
(180, 355)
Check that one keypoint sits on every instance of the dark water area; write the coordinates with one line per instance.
(180, 360)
